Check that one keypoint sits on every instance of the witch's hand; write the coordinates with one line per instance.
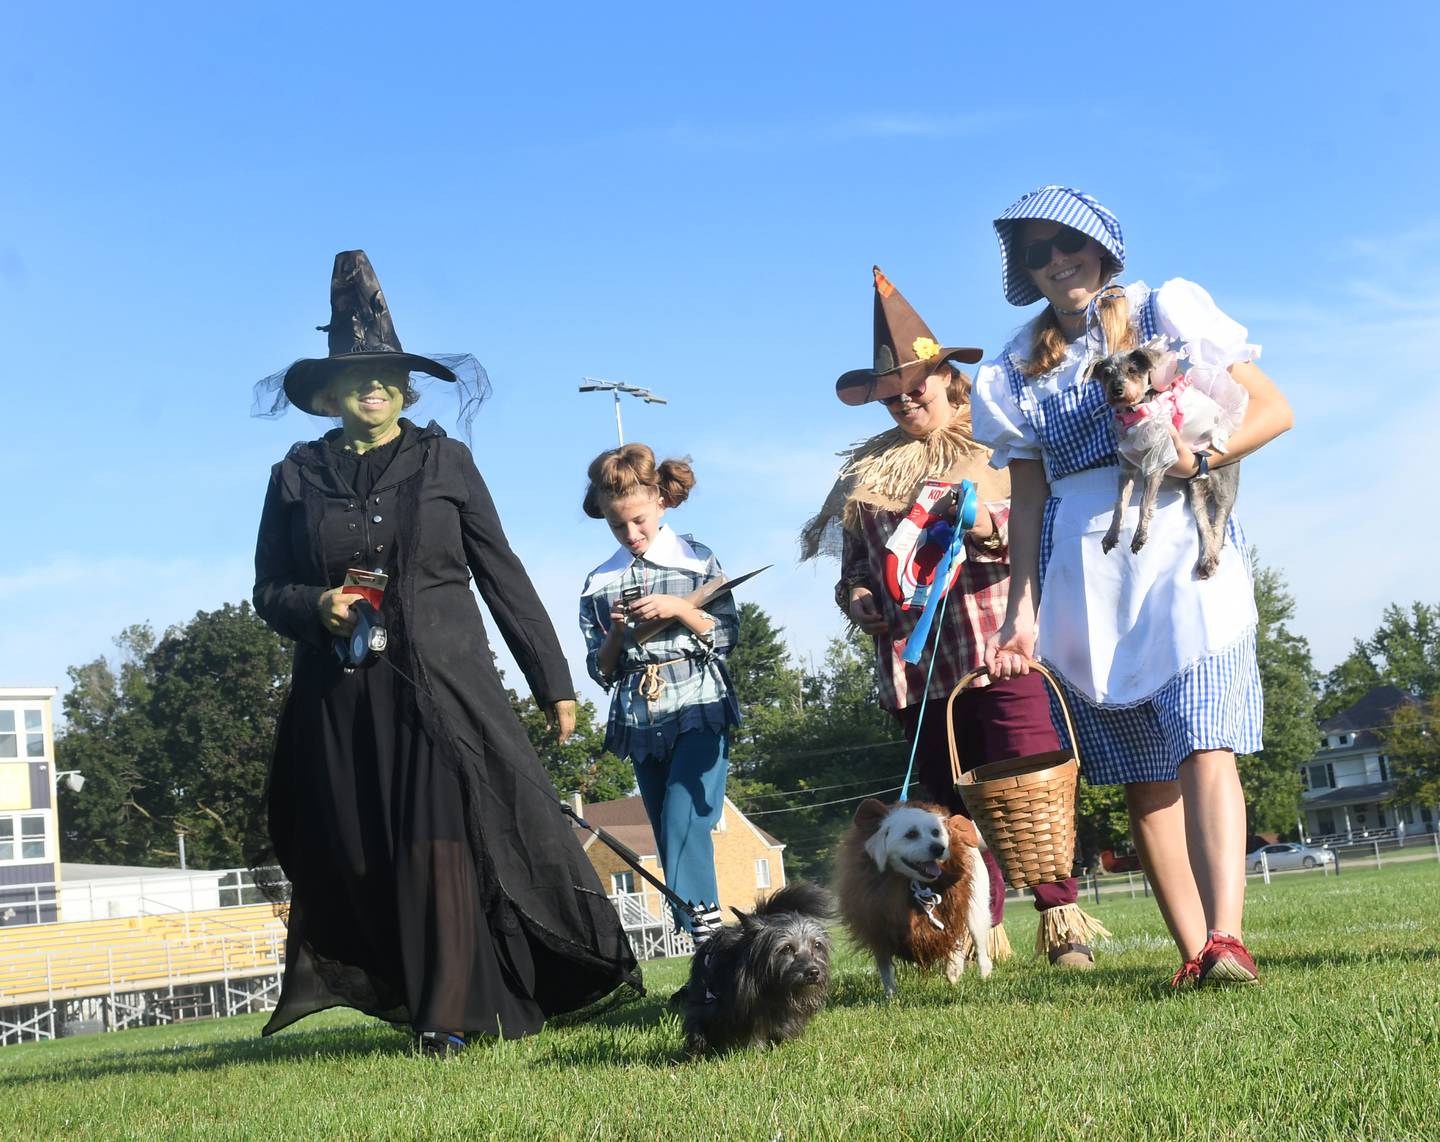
(333, 608)
(561, 718)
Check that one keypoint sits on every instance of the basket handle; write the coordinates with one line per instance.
(955, 769)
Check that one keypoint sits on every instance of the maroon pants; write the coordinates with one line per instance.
(993, 723)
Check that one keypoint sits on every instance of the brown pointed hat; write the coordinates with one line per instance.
(361, 332)
(905, 350)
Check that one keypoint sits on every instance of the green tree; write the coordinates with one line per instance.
(178, 742)
(219, 684)
(1271, 778)
(582, 765)
(772, 699)
(819, 765)
(108, 737)
(1103, 822)
(1404, 651)
(1413, 744)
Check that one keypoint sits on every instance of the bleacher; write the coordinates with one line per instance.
(45, 963)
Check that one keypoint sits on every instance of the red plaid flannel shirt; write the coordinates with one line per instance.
(974, 611)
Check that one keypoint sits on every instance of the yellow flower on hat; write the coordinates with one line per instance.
(925, 348)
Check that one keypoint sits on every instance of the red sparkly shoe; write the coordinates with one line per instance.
(1224, 959)
(1188, 975)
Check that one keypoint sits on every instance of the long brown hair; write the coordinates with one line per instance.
(620, 472)
(1048, 341)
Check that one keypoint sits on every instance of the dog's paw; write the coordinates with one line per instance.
(1138, 542)
(1207, 566)
(1108, 544)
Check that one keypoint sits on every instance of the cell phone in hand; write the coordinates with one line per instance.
(629, 595)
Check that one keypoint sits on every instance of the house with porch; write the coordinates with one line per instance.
(1348, 787)
(749, 862)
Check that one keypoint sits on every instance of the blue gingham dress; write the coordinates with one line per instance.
(1213, 702)
(697, 693)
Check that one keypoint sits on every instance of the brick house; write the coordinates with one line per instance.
(749, 862)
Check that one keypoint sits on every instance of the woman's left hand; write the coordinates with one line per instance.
(561, 718)
(650, 607)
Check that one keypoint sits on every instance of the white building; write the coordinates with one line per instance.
(1347, 783)
(29, 838)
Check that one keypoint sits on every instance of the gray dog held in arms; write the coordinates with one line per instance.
(1204, 405)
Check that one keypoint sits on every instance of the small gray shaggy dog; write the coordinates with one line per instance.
(1125, 378)
(758, 983)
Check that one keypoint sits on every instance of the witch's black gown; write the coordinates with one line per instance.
(433, 879)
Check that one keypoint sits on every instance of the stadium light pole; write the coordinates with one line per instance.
(615, 388)
(74, 781)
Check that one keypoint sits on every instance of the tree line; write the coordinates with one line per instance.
(173, 734)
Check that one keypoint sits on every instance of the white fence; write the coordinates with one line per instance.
(645, 917)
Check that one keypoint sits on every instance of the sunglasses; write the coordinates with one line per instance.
(913, 394)
(1036, 254)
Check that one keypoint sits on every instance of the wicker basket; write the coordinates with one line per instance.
(1024, 807)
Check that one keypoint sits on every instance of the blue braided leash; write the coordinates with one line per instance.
(934, 614)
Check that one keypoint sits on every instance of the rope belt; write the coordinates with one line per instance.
(651, 683)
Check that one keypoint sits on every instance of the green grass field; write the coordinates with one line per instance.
(1341, 1041)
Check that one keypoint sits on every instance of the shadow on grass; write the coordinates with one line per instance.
(574, 1053)
(288, 1047)
(1325, 957)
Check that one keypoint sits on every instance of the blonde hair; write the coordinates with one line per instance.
(957, 388)
(620, 472)
(1048, 341)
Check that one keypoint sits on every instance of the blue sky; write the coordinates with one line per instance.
(687, 198)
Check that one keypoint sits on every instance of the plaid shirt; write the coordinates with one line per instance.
(974, 610)
(696, 693)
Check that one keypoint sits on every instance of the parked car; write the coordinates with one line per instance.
(1283, 856)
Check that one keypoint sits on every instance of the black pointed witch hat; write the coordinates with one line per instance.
(361, 331)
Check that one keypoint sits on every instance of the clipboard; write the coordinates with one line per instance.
(701, 597)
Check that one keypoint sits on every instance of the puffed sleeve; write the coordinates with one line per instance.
(506, 588)
(1187, 313)
(997, 420)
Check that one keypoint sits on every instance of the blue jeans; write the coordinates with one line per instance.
(683, 798)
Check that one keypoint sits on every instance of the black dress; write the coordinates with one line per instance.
(433, 879)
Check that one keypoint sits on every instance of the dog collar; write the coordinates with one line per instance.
(929, 900)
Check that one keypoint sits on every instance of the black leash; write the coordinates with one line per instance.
(705, 918)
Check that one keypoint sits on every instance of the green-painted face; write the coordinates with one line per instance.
(368, 399)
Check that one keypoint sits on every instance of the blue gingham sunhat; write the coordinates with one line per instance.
(1062, 204)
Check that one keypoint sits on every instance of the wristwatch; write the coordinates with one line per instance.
(1202, 466)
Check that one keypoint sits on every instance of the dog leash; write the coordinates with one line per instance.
(705, 918)
(956, 543)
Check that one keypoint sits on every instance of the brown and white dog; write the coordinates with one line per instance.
(911, 885)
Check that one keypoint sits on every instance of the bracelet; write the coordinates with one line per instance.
(1202, 466)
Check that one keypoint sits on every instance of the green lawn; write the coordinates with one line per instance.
(1343, 1040)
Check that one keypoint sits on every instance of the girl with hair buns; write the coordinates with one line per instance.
(1159, 664)
(671, 704)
